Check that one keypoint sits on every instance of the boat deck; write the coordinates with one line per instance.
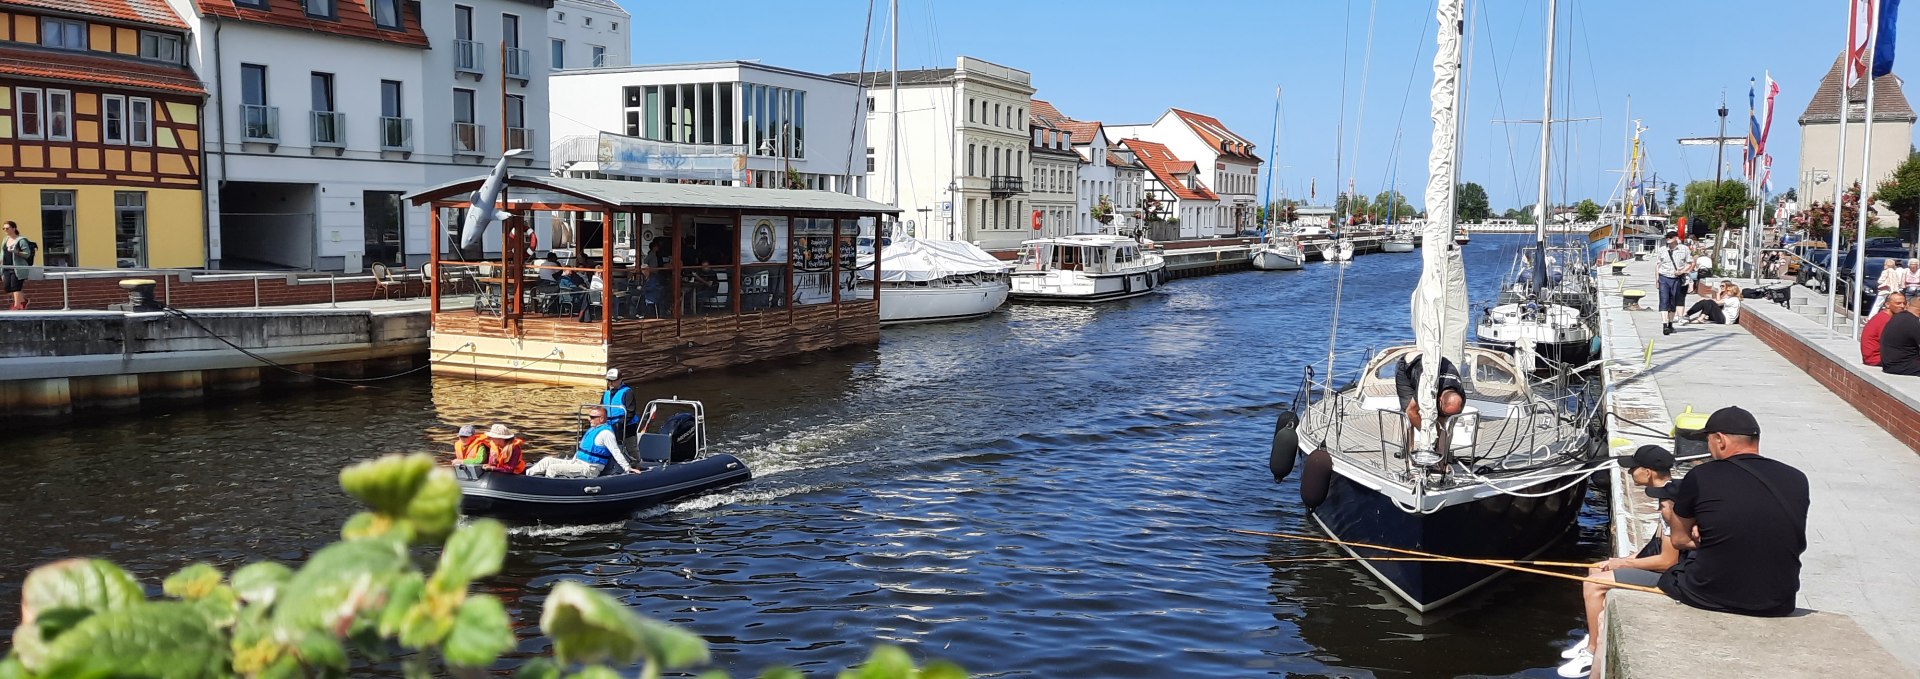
(1376, 440)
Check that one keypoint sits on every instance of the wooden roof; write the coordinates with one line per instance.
(1889, 100)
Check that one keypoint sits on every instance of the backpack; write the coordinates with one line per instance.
(25, 251)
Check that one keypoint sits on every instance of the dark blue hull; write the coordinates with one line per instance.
(530, 498)
(1500, 526)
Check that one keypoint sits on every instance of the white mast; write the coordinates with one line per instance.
(893, 87)
(1540, 209)
(1439, 302)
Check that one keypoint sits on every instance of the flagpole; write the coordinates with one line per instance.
(1866, 193)
(1839, 176)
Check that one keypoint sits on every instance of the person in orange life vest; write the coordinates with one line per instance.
(469, 447)
(499, 449)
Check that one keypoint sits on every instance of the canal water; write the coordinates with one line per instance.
(1044, 493)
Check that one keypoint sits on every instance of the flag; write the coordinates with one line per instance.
(1766, 111)
(1753, 136)
(1859, 31)
(1883, 38)
(1766, 173)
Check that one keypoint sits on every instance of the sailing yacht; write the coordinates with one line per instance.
(1547, 310)
(1400, 239)
(1338, 248)
(925, 281)
(1506, 479)
(1277, 252)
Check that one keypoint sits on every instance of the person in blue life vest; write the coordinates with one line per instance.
(619, 402)
(598, 447)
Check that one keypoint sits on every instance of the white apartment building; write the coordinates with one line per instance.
(322, 114)
(964, 154)
(1055, 173)
(1129, 185)
(1175, 202)
(754, 124)
(588, 34)
(1099, 174)
(1226, 162)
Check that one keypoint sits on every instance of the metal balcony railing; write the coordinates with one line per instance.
(396, 134)
(259, 123)
(329, 128)
(519, 63)
(519, 138)
(469, 139)
(468, 57)
(1006, 185)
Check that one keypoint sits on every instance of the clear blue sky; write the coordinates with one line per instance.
(1128, 60)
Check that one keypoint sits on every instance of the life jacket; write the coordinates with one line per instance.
(590, 451)
(506, 456)
(470, 450)
(615, 402)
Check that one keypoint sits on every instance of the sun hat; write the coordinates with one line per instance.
(499, 431)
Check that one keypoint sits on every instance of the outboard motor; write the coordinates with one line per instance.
(1286, 445)
(680, 430)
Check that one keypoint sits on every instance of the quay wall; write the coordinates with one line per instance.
(187, 289)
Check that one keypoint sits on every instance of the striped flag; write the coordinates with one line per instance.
(1859, 33)
(1753, 136)
(1766, 111)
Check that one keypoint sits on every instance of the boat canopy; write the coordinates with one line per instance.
(907, 260)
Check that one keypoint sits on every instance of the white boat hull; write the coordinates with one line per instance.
(904, 303)
(1080, 287)
(1396, 245)
(1340, 252)
(1273, 259)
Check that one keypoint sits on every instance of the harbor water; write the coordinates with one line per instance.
(1048, 492)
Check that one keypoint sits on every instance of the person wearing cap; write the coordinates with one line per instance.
(1750, 513)
(619, 402)
(598, 448)
(1675, 262)
(1650, 467)
(497, 449)
(1870, 335)
(1900, 342)
(1450, 399)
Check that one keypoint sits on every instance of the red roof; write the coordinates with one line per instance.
(352, 20)
(1046, 113)
(1083, 132)
(1166, 168)
(1218, 136)
(155, 12)
(82, 67)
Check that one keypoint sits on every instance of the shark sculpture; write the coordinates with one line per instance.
(485, 211)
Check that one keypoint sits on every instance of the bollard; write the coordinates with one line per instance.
(139, 296)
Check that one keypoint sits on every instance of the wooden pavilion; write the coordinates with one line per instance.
(655, 279)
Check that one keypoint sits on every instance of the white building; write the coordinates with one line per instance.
(784, 127)
(964, 156)
(1226, 162)
(588, 34)
(324, 113)
(1893, 121)
(1055, 173)
(1129, 185)
(1175, 202)
(1096, 177)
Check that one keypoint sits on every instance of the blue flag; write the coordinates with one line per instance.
(1883, 40)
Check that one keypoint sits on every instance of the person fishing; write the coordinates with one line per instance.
(1650, 467)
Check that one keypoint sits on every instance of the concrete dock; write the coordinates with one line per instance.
(1859, 593)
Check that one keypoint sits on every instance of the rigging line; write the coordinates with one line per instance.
(1366, 70)
(1339, 274)
(1401, 122)
(1501, 98)
(1593, 80)
(860, 97)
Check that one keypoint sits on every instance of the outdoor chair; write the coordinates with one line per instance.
(385, 282)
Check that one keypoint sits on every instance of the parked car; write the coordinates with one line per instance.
(1870, 272)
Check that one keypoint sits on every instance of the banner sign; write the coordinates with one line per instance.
(625, 156)
(763, 239)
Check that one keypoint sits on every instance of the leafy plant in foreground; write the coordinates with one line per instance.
(363, 596)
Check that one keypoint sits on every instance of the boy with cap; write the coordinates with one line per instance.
(1750, 513)
(1650, 467)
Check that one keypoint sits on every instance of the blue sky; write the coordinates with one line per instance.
(1128, 60)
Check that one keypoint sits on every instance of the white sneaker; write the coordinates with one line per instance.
(1580, 666)
(1575, 649)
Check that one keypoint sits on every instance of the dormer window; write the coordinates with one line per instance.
(256, 4)
(64, 34)
(320, 9)
(160, 47)
(386, 13)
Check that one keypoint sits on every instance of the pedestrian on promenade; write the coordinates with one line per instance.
(1870, 335)
(1650, 467)
(1751, 516)
(1676, 261)
(1893, 279)
(1900, 343)
(1912, 278)
(15, 252)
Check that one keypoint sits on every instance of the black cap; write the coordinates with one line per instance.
(1673, 234)
(1729, 420)
(1665, 492)
(1651, 457)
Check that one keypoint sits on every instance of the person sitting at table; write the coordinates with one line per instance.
(590, 311)
(659, 279)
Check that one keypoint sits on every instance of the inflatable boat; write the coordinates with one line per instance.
(672, 464)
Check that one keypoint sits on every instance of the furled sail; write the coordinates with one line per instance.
(1440, 301)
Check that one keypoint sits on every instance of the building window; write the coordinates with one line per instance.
(510, 30)
(140, 121)
(63, 33)
(256, 4)
(160, 47)
(31, 111)
(516, 111)
(870, 164)
(322, 92)
(130, 229)
(322, 9)
(970, 110)
(390, 99)
(996, 115)
(589, 21)
(56, 227)
(253, 84)
(870, 105)
(559, 53)
(559, 17)
(113, 119)
(386, 13)
(970, 150)
(599, 55)
(59, 115)
(614, 26)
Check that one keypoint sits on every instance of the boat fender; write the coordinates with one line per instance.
(1315, 478)
(1286, 445)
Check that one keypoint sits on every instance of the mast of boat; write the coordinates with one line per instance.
(893, 91)
(1541, 210)
(1439, 302)
(1273, 153)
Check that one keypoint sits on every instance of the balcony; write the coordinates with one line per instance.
(519, 138)
(469, 139)
(396, 134)
(260, 123)
(1003, 185)
(329, 128)
(468, 57)
(518, 63)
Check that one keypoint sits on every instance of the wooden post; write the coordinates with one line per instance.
(833, 255)
(793, 223)
(673, 225)
(877, 224)
(739, 232)
(433, 259)
(606, 274)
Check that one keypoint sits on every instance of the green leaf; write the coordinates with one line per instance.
(193, 582)
(78, 588)
(317, 650)
(538, 668)
(373, 526)
(720, 674)
(587, 626)
(475, 551)
(436, 507)
(163, 640)
(10, 668)
(886, 662)
(340, 581)
(402, 594)
(428, 621)
(481, 632)
(941, 669)
(260, 581)
(387, 484)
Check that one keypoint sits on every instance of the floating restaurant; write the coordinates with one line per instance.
(655, 279)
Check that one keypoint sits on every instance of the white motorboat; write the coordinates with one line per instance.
(1399, 241)
(926, 281)
(1277, 253)
(1336, 250)
(1085, 268)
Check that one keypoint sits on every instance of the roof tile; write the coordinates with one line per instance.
(81, 67)
(1218, 136)
(153, 12)
(1167, 168)
(1889, 102)
(352, 20)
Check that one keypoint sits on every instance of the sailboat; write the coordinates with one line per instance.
(1276, 251)
(1337, 248)
(1501, 479)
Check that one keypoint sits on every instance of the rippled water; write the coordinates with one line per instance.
(1044, 493)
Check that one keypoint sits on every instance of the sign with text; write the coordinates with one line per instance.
(625, 156)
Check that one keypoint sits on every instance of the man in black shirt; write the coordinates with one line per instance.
(1450, 400)
(1751, 513)
(1900, 344)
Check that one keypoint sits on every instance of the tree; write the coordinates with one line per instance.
(1524, 215)
(1673, 197)
(1817, 219)
(1471, 203)
(1716, 205)
(1390, 204)
(1792, 194)
(1901, 193)
(1587, 210)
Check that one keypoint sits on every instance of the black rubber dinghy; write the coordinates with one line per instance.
(517, 497)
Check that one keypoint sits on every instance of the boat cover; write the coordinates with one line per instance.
(908, 260)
